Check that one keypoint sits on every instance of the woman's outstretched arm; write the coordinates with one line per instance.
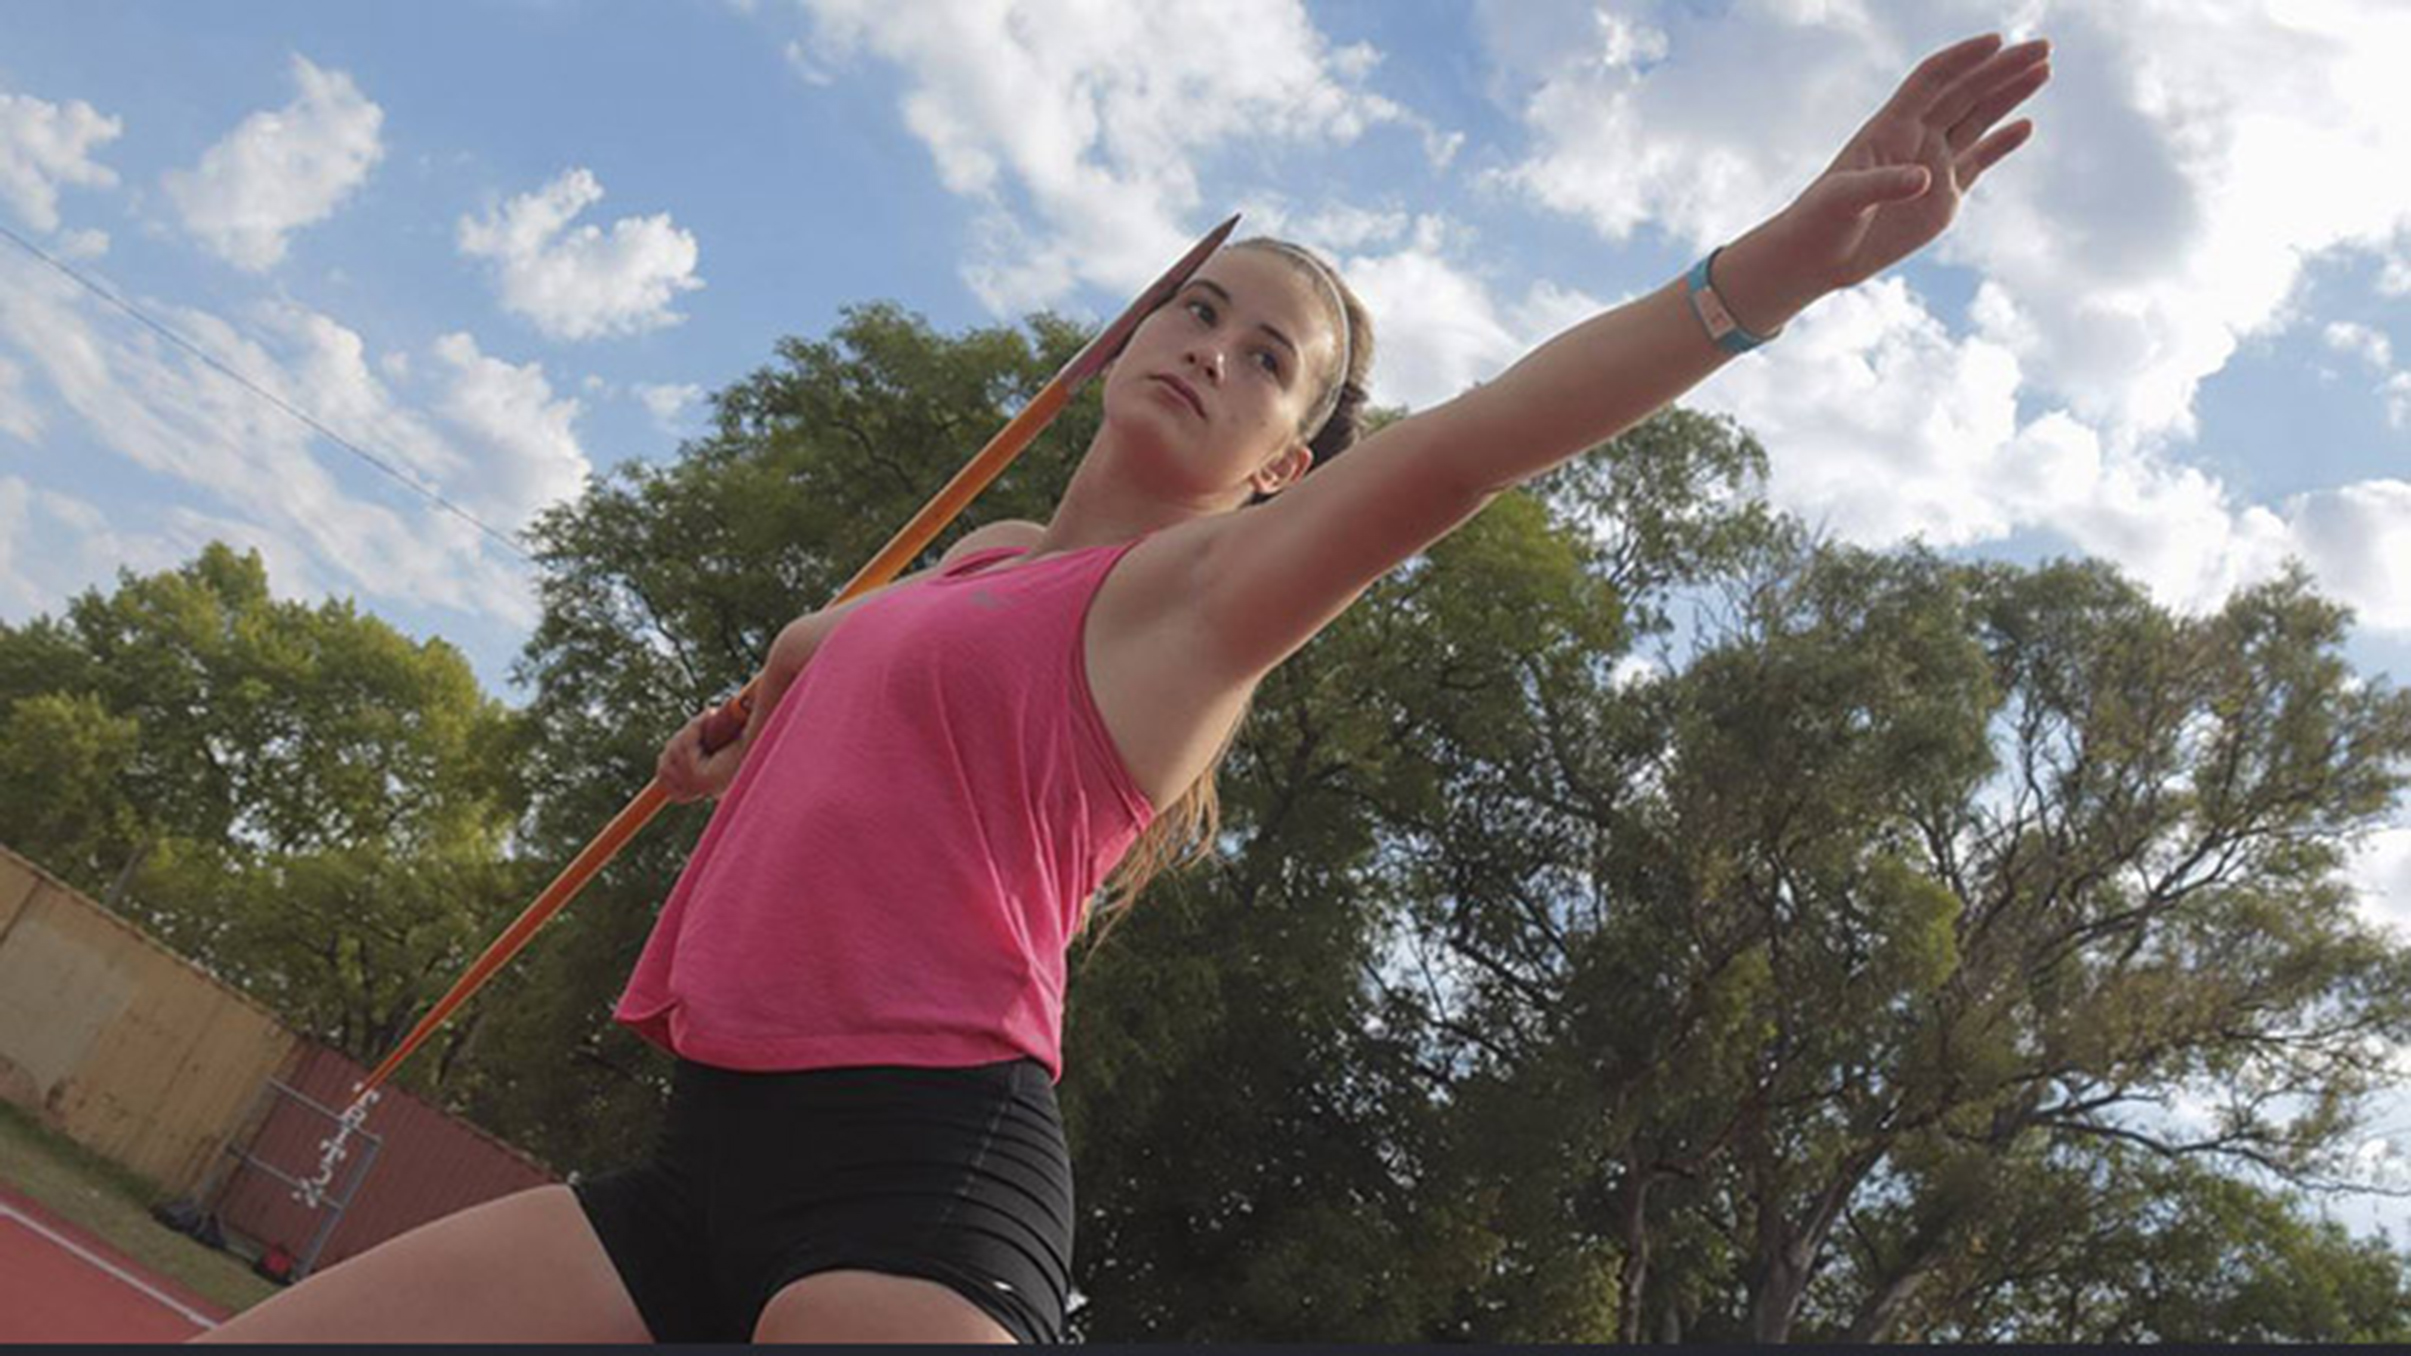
(1276, 574)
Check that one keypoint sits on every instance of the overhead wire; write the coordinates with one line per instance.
(312, 422)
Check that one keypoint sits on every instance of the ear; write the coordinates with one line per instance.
(1283, 470)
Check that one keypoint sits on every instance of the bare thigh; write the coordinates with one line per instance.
(873, 1306)
(524, 1268)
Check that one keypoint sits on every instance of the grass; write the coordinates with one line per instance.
(115, 1204)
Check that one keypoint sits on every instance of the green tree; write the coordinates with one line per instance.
(1539, 993)
(1925, 867)
(64, 759)
(1269, 1001)
(299, 797)
(2121, 1245)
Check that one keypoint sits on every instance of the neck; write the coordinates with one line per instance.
(1103, 505)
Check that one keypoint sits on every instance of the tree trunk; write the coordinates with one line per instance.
(1787, 1257)
(125, 875)
(1775, 1297)
(1875, 1318)
(1633, 1276)
(455, 1044)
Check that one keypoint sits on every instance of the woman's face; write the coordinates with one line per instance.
(1210, 391)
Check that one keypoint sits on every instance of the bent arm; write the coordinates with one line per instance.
(703, 757)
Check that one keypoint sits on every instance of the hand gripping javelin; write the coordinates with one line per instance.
(728, 721)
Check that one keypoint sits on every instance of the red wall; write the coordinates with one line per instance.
(430, 1164)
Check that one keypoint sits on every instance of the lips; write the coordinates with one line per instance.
(1185, 392)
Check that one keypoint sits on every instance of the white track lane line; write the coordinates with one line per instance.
(11, 1212)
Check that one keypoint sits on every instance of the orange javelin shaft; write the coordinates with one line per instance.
(728, 722)
(606, 845)
(729, 719)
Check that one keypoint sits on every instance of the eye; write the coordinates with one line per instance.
(1202, 309)
(1272, 363)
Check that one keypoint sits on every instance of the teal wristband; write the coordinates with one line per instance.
(1710, 308)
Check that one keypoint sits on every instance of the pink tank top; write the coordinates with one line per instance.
(895, 874)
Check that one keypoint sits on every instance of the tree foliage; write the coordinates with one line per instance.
(1929, 951)
(298, 797)
(1551, 988)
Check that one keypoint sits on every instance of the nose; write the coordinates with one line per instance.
(1207, 358)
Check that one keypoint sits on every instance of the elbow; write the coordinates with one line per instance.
(791, 651)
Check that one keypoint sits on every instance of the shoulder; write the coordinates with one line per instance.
(1007, 532)
(1014, 532)
(801, 637)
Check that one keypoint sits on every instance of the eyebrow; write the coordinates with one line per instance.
(1218, 290)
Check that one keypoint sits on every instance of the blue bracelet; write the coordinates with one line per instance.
(1712, 312)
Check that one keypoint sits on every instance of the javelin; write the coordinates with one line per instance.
(728, 722)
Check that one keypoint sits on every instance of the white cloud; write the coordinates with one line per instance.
(1881, 426)
(2358, 540)
(2380, 868)
(2189, 158)
(97, 379)
(582, 283)
(294, 570)
(280, 170)
(18, 595)
(808, 66)
(1045, 106)
(1345, 227)
(1332, 228)
(1884, 425)
(1438, 321)
(1638, 120)
(668, 403)
(1436, 326)
(512, 413)
(18, 417)
(53, 545)
(1632, 670)
(2376, 352)
(1868, 390)
(87, 243)
(2363, 342)
(2394, 278)
(44, 146)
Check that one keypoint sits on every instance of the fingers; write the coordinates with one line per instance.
(680, 769)
(2009, 80)
(1850, 193)
(1988, 152)
(1934, 76)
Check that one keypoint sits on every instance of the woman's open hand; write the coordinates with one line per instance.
(1897, 183)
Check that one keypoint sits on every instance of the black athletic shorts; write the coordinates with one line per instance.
(959, 1176)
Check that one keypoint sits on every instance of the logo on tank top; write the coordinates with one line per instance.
(983, 598)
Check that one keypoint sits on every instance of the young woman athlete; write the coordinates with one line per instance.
(861, 968)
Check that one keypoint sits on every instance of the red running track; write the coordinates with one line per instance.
(60, 1283)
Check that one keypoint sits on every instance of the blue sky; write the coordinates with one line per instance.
(507, 245)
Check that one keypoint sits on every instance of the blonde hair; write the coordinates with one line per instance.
(1184, 832)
